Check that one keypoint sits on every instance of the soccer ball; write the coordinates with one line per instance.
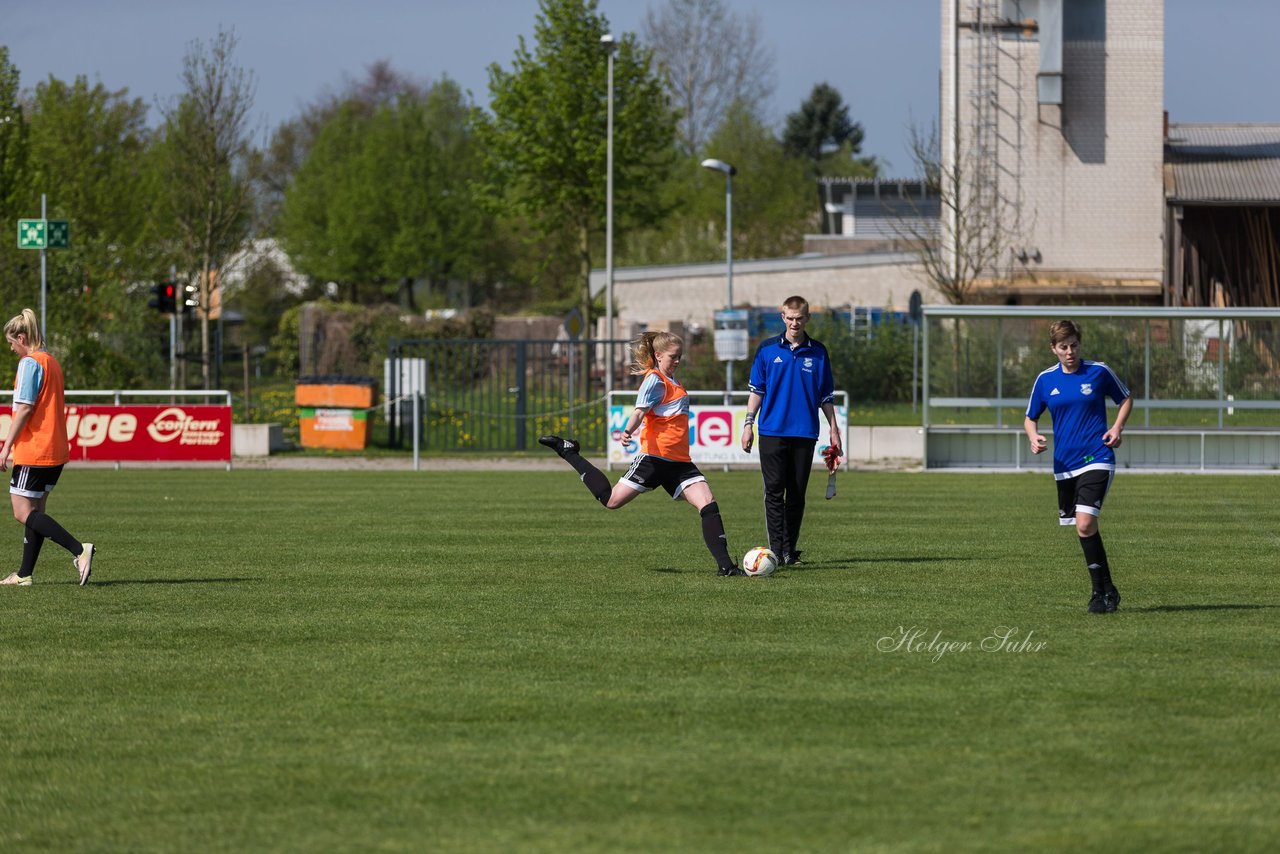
(759, 562)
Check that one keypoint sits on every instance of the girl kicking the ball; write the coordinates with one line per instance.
(662, 405)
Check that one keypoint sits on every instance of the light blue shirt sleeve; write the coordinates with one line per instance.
(30, 381)
(650, 393)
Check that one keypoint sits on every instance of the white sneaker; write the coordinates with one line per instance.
(19, 580)
(84, 563)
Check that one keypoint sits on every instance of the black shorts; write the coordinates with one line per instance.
(1083, 493)
(34, 481)
(648, 472)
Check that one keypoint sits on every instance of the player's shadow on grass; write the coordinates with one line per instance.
(847, 562)
(121, 581)
(1173, 609)
(842, 563)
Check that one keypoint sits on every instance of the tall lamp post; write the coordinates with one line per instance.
(610, 46)
(720, 166)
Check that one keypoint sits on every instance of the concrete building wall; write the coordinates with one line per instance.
(693, 293)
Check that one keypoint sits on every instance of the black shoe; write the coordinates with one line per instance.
(1098, 604)
(730, 570)
(560, 446)
(1111, 600)
(791, 559)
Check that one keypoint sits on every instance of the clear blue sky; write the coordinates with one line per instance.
(882, 55)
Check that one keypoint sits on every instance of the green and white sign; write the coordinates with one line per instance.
(31, 234)
(44, 234)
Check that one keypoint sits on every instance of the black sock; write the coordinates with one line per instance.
(595, 481)
(45, 525)
(713, 534)
(31, 543)
(1095, 557)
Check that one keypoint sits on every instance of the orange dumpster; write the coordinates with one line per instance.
(333, 412)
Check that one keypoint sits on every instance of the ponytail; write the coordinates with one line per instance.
(645, 350)
(25, 324)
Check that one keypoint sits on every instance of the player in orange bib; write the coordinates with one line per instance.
(38, 448)
(662, 405)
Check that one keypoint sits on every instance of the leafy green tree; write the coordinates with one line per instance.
(88, 154)
(291, 142)
(822, 133)
(773, 200)
(545, 141)
(84, 148)
(323, 224)
(13, 161)
(439, 233)
(13, 132)
(871, 364)
(383, 199)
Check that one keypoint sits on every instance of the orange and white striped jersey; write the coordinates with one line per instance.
(666, 420)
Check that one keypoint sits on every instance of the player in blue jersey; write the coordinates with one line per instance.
(1084, 460)
(790, 383)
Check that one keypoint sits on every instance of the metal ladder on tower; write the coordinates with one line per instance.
(984, 105)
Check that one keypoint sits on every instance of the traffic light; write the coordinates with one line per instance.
(190, 299)
(165, 297)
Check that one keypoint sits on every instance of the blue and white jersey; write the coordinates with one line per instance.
(1077, 403)
(794, 384)
(30, 379)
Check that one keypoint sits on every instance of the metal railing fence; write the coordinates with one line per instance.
(1213, 371)
(487, 395)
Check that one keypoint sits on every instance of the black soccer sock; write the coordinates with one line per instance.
(45, 525)
(595, 481)
(31, 543)
(1095, 557)
(713, 534)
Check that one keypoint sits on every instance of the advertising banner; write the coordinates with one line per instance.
(715, 433)
(180, 433)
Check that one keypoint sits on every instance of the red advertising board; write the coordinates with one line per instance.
(179, 433)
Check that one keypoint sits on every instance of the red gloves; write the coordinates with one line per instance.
(831, 455)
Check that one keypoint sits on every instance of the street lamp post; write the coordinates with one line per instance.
(729, 171)
(610, 46)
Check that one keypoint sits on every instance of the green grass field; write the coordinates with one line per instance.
(461, 661)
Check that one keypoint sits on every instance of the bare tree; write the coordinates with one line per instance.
(711, 59)
(205, 157)
(971, 239)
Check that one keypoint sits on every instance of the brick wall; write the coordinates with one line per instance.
(1085, 179)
